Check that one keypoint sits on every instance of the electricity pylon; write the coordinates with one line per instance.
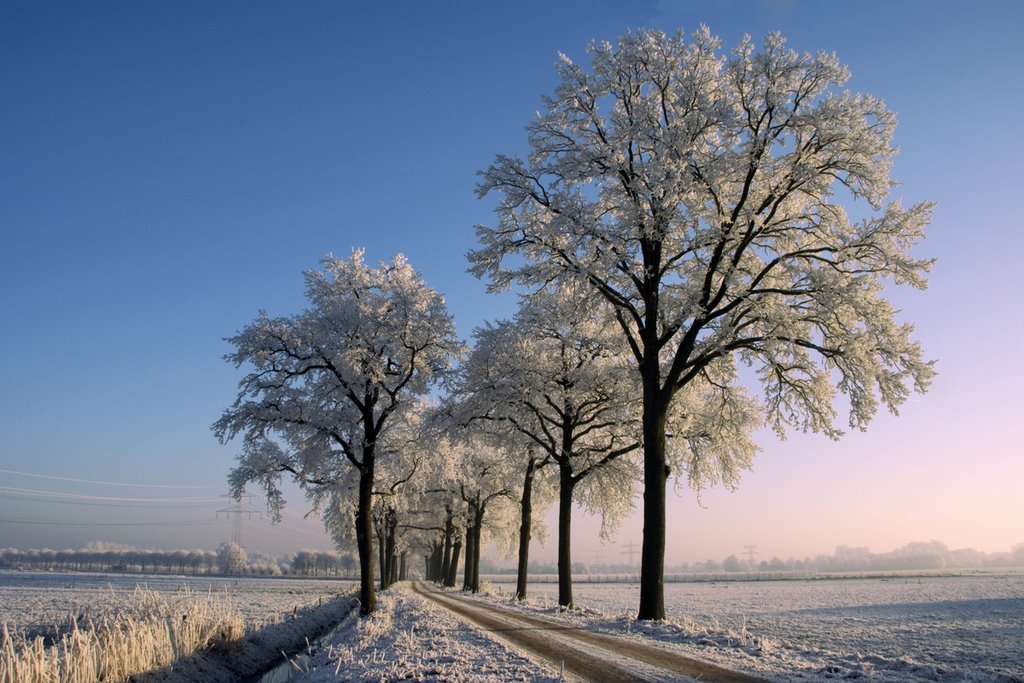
(630, 549)
(241, 508)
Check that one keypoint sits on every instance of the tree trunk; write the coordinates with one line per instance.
(382, 561)
(429, 570)
(566, 484)
(652, 558)
(402, 575)
(388, 571)
(467, 580)
(453, 568)
(478, 525)
(525, 524)
(449, 528)
(364, 537)
(437, 565)
(393, 573)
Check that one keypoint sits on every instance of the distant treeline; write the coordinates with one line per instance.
(229, 560)
(913, 556)
(224, 561)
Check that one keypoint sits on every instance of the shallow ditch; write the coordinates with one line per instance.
(294, 664)
(260, 657)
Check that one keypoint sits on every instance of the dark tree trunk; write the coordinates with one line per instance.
(525, 525)
(389, 570)
(478, 524)
(652, 567)
(402, 575)
(382, 562)
(436, 570)
(467, 579)
(449, 528)
(453, 568)
(566, 484)
(364, 536)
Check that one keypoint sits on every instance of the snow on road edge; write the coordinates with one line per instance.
(411, 638)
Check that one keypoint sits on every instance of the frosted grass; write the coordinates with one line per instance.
(147, 631)
(37, 601)
(72, 628)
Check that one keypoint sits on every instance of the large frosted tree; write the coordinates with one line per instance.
(331, 382)
(704, 196)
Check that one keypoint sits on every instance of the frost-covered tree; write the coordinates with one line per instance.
(554, 376)
(326, 386)
(400, 481)
(523, 460)
(482, 485)
(231, 559)
(440, 513)
(703, 195)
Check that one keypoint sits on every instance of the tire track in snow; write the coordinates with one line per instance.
(586, 655)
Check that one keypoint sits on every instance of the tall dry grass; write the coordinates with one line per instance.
(149, 631)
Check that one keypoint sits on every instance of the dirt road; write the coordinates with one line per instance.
(585, 655)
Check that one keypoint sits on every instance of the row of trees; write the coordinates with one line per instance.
(920, 556)
(917, 555)
(229, 560)
(195, 561)
(311, 563)
(320, 563)
(681, 214)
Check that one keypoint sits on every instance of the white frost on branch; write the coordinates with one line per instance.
(703, 195)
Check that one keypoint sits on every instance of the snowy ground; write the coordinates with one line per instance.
(968, 628)
(962, 627)
(947, 628)
(408, 638)
(32, 601)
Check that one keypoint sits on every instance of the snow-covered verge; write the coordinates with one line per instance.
(408, 638)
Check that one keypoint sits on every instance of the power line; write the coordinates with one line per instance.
(137, 506)
(59, 523)
(113, 483)
(80, 496)
(277, 532)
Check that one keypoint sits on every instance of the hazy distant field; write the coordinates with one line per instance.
(969, 623)
(31, 601)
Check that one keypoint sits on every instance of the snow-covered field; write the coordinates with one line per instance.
(945, 628)
(34, 601)
(907, 629)
(968, 627)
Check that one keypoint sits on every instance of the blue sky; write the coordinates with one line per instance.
(169, 169)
